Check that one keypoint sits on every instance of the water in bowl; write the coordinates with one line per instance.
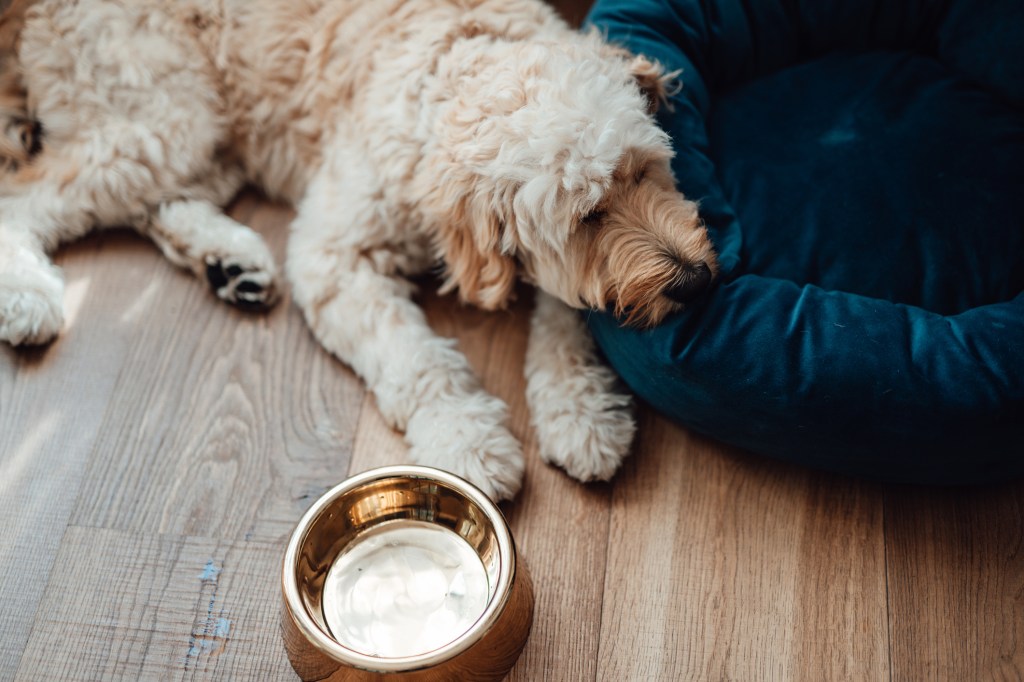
(404, 589)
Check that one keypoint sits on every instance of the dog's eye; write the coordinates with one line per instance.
(594, 218)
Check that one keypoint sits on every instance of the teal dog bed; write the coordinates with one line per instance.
(860, 166)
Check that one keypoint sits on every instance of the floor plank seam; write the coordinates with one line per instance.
(885, 573)
(604, 591)
(35, 617)
(266, 542)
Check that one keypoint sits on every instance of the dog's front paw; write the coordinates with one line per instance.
(30, 306)
(469, 440)
(249, 286)
(587, 431)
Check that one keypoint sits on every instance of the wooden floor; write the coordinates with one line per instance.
(153, 461)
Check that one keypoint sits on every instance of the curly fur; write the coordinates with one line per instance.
(482, 134)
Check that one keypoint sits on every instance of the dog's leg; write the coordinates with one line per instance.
(361, 310)
(55, 201)
(32, 224)
(31, 289)
(233, 259)
(583, 423)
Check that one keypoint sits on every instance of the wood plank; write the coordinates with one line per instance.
(956, 582)
(226, 402)
(560, 526)
(138, 606)
(840, 615)
(52, 405)
(706, 569)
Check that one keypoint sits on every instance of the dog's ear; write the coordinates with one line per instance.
(653, 81)
(650, 75)
(471, 246)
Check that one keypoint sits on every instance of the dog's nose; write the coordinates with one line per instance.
(694, 282)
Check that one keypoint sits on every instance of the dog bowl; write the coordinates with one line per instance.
(404, 573)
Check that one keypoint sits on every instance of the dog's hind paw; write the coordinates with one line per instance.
(247, 286)
(30, 307)
(471, 442)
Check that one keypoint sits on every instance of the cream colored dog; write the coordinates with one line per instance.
(485, 135)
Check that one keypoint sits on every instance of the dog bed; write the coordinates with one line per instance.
(860, 166)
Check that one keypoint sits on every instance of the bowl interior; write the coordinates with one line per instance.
(371, 518)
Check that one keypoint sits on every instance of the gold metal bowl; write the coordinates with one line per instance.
(405, 573)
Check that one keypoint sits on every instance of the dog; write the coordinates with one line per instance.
(484, 137)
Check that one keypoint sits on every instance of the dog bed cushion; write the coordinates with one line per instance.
(860, 167)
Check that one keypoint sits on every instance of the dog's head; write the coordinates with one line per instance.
(550, 166)
(19, 134)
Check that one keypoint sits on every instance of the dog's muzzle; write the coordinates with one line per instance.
(695, 281)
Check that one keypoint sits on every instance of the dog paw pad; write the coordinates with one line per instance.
(248, 288)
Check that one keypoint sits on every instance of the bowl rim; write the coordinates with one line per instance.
(316, 636)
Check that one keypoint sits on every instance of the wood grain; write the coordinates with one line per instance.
(164, 431)
(139, 606)
(247, 402)
(706, 571)
(956, 583)
(53, 403)
(840, 610)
